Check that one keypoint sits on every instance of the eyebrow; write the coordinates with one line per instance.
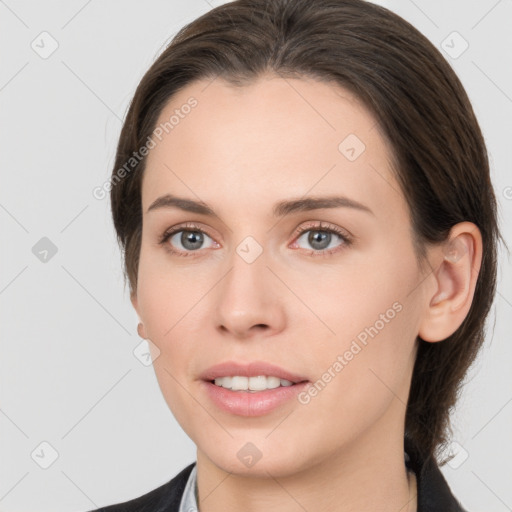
(280, 209)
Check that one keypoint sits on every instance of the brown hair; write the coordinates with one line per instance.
(423, 111)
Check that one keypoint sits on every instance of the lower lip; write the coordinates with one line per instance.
(245, 403)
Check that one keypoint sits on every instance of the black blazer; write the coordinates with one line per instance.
(434, 494)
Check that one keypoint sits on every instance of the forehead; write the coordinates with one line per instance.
(275, 137)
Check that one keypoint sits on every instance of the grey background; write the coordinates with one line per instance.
(69, 376)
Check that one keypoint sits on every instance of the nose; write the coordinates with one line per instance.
(249, 300)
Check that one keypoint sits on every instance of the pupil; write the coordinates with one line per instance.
(193, 238)
(322, 236)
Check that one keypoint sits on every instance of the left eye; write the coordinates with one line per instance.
(322, 240)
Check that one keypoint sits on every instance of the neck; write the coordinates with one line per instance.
(368, 474)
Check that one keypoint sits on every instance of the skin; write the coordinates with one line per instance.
(240, 151)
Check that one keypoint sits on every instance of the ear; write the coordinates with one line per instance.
(140, 327)
(456, 269)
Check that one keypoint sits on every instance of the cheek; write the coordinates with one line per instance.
(372, 292)
(358, 383)
(174, 373)
(374, 317)
(168, 296)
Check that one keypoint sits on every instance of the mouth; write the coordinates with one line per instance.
(256, 384)
(253, 389)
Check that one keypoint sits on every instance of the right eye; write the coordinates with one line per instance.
(190, 237)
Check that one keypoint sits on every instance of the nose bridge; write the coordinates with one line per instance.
(246, 295)
(246, 283)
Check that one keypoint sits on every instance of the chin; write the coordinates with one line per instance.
(243, 457)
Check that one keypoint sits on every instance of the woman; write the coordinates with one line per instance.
(302, 197)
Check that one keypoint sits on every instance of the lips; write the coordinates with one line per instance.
(252, 369)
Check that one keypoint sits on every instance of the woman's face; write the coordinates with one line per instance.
(337, 305)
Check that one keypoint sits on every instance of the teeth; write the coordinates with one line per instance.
(254, 384)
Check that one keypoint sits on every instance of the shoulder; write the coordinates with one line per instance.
(166, 498)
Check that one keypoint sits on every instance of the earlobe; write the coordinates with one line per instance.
(455, 281)
(140, 327)
(140, 331)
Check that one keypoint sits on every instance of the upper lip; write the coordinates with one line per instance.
(252, 369)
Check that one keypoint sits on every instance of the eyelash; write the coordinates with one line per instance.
(189, 227)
